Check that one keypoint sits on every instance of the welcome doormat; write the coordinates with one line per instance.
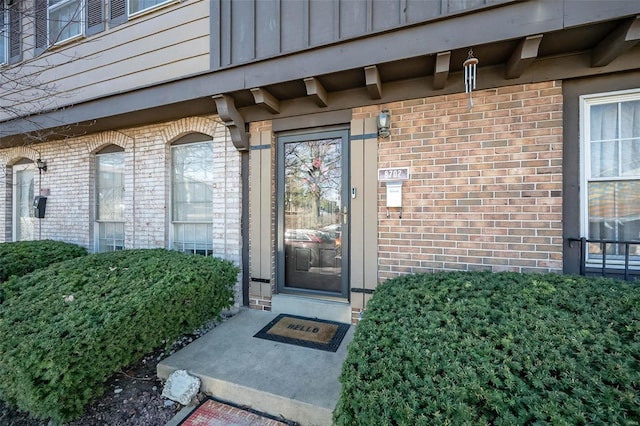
(308, 332)
(212, 412)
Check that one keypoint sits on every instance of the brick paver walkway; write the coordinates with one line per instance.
(214, 413)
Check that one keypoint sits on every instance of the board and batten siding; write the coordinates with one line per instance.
(165, 45)
(254, 30)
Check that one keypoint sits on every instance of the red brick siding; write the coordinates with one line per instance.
(486, 185)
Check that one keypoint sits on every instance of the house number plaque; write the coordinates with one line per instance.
(398, 173)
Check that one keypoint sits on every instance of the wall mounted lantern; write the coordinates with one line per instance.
(384, 123)
(42, 165)
(470, 66)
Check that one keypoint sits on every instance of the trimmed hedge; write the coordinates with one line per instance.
(503, 349)
(68, 327)
(21, 257)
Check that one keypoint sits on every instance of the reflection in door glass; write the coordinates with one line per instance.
(312, 215)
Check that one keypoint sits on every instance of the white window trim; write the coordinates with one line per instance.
(148, 9)
(586, 102)
(97, 222)
(83, 5)
(173, 222)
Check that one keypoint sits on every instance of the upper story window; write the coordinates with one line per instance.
(66, 20)
(10, 40)
(4, 34)
(121, 10)
(611, 172)
(137, 6)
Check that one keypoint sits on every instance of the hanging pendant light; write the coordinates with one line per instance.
(470, 66)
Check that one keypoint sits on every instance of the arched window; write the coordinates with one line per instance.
(109, 205)
(192, 183)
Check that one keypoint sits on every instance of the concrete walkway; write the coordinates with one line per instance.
(279, 379)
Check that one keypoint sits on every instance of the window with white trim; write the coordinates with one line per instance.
(192, 185)
(611, 174)
(4, 33)
(137, 6)
(10, 32)
(66, 20)
(109, 229)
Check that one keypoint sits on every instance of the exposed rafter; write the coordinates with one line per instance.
(374, 84)
(441, 70)
(523, 56)
(623, 38)
(233, 120)
(316, 91)
(266, 99)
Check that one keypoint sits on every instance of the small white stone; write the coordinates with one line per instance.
(181, 387)
(117, 390)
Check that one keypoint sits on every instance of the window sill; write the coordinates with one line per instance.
(153, 9)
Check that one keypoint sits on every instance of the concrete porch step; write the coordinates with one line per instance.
(296, 383)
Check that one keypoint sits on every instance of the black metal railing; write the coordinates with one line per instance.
(603, 248)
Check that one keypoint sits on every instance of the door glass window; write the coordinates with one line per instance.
(313, 209)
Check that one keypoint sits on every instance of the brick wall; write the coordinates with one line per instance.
(69, 182)
(485, 191)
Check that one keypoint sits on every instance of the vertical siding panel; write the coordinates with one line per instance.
(305, 23)
(292, 28)
(357, 247)
(215, 29)
(255, 270)
(265, 205)
(321, 12)
(458, 5)
(267, 28)
(242, 31)
(370, 205)
(353, 17)
(418, 10)
(336, 20)
(386, 14)
(226, 32)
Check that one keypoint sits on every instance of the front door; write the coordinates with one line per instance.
(313, 214)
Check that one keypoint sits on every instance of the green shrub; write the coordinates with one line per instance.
(501, 349)
(68, 327)
(21, 257)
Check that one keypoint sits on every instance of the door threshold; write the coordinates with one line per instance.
(332, 309)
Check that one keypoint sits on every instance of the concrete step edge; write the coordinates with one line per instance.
(275, 405)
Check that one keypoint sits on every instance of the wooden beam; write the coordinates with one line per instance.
(623, 38)
(316, 91)
(233, 120)
(523, 56)
(374, 84)
(441, 70)
(266, 99)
